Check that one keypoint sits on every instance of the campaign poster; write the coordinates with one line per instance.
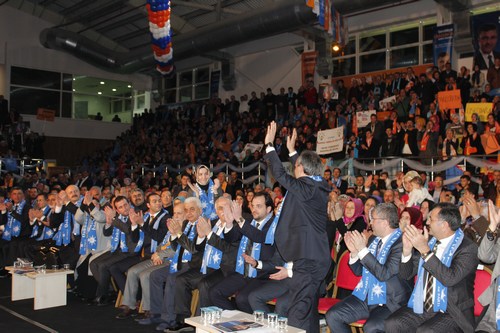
(443, 45)
(484, 28)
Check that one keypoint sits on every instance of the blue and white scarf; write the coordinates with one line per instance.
(368, 282)
(89, 235)
(13, 226)
(240, 262)
(119, 237)
(76, 226)
(47, 232)
(161, 214)
(186, 255)
(440, 292)
(208, 201)
(212, 256)
(63, 235)
(272, 228)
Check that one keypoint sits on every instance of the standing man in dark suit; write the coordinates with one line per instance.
(443, 297)
(381, 291)
(300, 232)
(376, 127)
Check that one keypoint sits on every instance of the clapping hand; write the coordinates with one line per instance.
(494, 216)
(216, 185)
(109, 212)
(88, 198)
(203, 227)
(417, 239)
(175, 227)
(136, 218)
(194, 189)
(227, 216)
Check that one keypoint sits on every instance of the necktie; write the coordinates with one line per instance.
(379, 247)
(181, 252)
(429, 291)
(490, 62)
(248, 251)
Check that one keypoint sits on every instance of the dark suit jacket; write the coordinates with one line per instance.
(343, 185)
(186, 244)
(229, 250)
(256, 236)
(459, 278)
(398, 290)
(479, 60)
(378, 132)
(301, 231)
(26, 228)
(150, 233)
(132, 237)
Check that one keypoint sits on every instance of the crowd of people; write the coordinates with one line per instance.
(412, 124)
(159, 236)
(242, 247)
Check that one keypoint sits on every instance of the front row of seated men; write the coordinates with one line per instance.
(410, 281)
(420, 282)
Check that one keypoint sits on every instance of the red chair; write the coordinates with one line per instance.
(344, 278)
(482, 281)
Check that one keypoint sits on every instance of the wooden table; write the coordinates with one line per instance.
(47, 289)
(202, 327)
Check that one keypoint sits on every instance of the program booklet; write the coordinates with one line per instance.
(236, 325)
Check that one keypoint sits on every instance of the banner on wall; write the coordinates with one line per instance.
(449, 99)
(330, 141)
(308, 64)
(443, 45)
(485, 29)
(482, 110)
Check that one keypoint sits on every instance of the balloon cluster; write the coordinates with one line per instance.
(161, 34)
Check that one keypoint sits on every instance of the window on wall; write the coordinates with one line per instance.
(71, 96)
(404, 37)
(404, 57)
(187, 86)
(345, 66)
(379, 50)
(372, 62)
(372, 43)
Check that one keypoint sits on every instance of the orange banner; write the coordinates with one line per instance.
(308, 64)
(449, 99)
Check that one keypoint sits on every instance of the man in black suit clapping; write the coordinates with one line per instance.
(380, 291)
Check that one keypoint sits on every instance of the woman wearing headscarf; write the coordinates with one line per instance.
(352, 219)
(425, 208)
(411, 215)
(346, 214)
(207, 190)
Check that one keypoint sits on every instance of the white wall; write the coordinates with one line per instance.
(77, 128)
(269, 69)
